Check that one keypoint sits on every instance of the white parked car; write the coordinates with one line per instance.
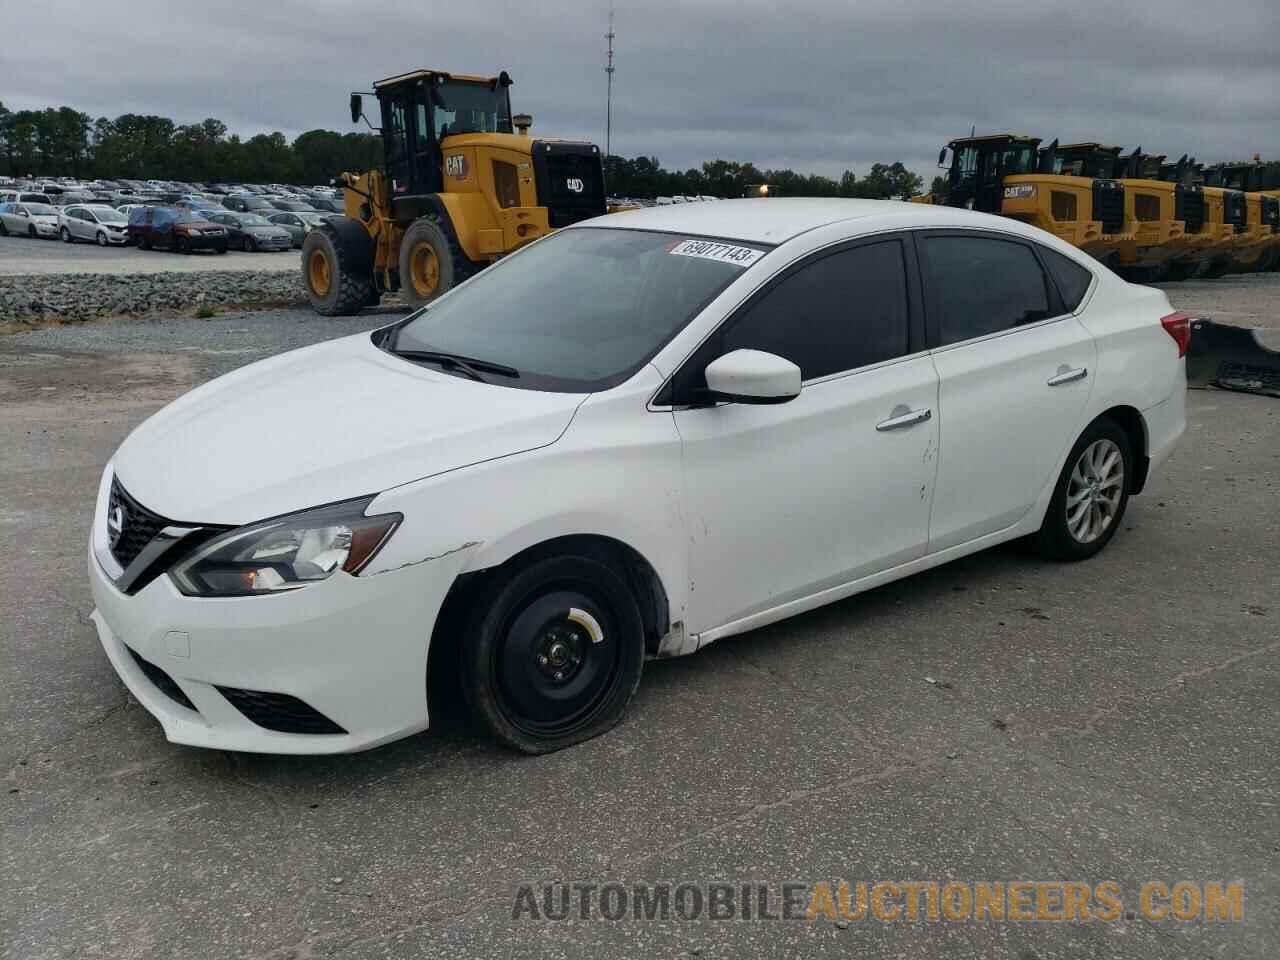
(96, 223)
(632, 438)
(29, 220)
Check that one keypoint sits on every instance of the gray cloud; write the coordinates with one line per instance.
(816, 85)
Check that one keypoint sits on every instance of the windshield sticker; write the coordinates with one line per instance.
(723, 252)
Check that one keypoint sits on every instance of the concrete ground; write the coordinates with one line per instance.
(22, 256)
(998, 719)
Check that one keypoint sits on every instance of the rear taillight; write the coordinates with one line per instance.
(1178, 326)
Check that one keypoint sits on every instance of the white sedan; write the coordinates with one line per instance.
(96, 223)
(33, 220)
(632, 438)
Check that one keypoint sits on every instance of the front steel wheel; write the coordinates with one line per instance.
(1090, 497)
(555, 656)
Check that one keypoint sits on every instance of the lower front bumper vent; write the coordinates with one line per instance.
(279, 712)
(162, 681)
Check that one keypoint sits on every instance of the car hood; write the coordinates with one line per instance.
(325, 423)
(267, 231)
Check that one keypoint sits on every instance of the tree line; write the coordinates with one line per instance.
(645, 177)
(63, 141)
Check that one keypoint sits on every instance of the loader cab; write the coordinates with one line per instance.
(1093, 160)
(1246, 177)
(979, 165)
(420, 109)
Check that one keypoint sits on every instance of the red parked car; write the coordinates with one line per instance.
(181, 231)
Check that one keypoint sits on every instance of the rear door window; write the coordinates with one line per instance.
(978, 285)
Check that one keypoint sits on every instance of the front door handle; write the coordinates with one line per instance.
(902, 417)
(1067, 376)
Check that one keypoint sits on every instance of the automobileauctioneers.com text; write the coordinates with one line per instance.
(886, 901)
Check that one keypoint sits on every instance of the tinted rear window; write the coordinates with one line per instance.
(981, 285)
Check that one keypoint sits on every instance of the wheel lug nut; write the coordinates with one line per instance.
(542, 659)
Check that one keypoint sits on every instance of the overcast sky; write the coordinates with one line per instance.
(816, 85)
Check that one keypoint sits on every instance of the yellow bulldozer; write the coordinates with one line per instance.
(462, 184)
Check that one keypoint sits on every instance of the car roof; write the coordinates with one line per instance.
(776, 220)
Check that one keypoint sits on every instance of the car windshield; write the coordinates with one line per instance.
(581, 310)
(41, 210)
(253, 220)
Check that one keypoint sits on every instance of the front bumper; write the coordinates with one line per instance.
(46, 230)
(352, 649)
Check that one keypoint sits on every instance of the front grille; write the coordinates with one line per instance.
(570, 181)
(1271, 213)
(279, 712)
(1192, 208)
(1235, 211)
(163, 682)
(138, 526)
(1108, 204)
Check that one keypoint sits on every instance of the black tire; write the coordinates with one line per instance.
(536, 672)
(31, 232)
(1056, 538)
(452, 264)
(102, 239)
(144, 243)
(347, 249)
(4, 231)
(221, 248)
(248, 245)
(65, 234)
(182, 245)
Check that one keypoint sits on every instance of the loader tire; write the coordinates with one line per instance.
(337, 268)
(431, 261)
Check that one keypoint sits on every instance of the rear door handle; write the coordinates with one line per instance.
(1067, 376)
(907, 419)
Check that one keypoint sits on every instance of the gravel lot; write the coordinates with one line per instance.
(21, 256)
(1111, 720)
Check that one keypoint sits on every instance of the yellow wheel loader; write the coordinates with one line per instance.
(1255, 238)
(1069, 191)
(1157, 210)
(461, 184)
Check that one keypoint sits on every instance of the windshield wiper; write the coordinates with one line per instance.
(468, 365)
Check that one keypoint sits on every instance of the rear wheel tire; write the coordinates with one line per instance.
(431, 262)
(1091, 495)
(337, 268)
(553, 655)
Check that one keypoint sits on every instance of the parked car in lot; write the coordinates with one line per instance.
(281, 203)
(296, 223)
(24, 196)
(750, 396)
(252, 232)
(247, 203)
(173, 228)
(102, 225)
(35, 220)
(326, 204)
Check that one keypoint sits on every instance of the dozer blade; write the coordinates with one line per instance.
(1231, 358)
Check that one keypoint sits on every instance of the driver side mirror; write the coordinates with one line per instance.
(23, 213)
(357, 107)
(752, 376)
(942, 157)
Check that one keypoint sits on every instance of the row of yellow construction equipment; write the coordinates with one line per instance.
(1146, 218)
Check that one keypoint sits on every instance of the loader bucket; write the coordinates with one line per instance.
(1231, 358)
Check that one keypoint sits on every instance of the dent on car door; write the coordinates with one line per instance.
(785, 500)
(1014, 378)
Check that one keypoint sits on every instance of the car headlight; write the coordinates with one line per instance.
(286, 553)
